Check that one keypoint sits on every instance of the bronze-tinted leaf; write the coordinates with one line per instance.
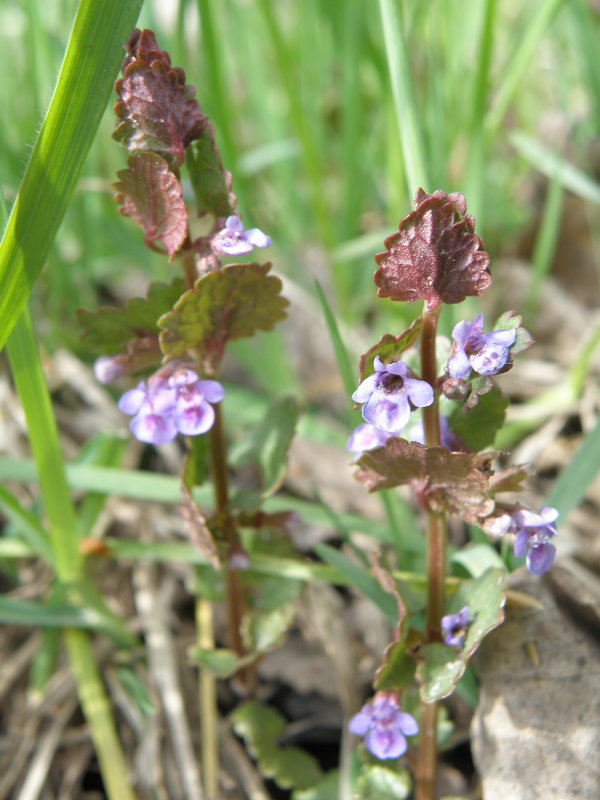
(157, 109)
(230, 303)
(151, 195)
(388, 347)
(456, 483)
(435, 256)
(131, 330)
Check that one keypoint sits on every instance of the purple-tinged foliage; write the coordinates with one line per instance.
(389, 394)
(435, 256)
(156, 108)
(167, 405)
(454, 627)
(457, 483)
(151, 195)
(485, 353)
(366, 437)
(384, 725)
(233, 240)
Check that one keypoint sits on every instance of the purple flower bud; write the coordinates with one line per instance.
(532, 540)
(389, 394)
(166, 406)
(384, 726)
(454, 627)
(109, 368)
(366, 437)
(233, 240)
(485, 353)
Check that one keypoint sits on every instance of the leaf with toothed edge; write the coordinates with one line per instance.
(151, 195)
(387, 348)
(435, 256)
(229, 303)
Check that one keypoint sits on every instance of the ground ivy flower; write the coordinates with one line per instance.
(384, 726)
(532, 540)
(454, 627)
(389, 394)
(233, 240)
(167, 405)
(485, 353)
(366, 437)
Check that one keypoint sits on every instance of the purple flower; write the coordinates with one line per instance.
(388, 395)
(485, 353)
(454, 627)
(366, 437)
(533, 534)
(384, 726)
(233, 240)
(166, 406)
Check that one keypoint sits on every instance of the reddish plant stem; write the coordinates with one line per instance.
(436, 565)
(227, 530)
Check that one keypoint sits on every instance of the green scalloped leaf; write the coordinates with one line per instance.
(211, 183)
(381, 783)
(327, 789)
(478, 428)
(397, 670)
(260, 726)
(229, 303)
(388, 347)
(110, 329)
(262, 630)
(443, 666)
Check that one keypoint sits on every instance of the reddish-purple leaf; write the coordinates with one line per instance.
(443, 481)
(387, 348)
(156, 108)
(435, 256)
(151, 195)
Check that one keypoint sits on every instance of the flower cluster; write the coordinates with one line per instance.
(384, 726)
(454, 627)
(389, 394)
(484, 353)
(233, 240)
(165, 406)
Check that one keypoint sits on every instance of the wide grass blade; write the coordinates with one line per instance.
(84, 84)
(581, 470)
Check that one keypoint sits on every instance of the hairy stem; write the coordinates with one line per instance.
(436, 565)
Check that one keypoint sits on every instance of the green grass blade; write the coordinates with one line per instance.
(93, 56)
(524, 49)
(553, 166)
(545, 245)
(26, 525)
(347, 373)
(581, 470)
(411, 136)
